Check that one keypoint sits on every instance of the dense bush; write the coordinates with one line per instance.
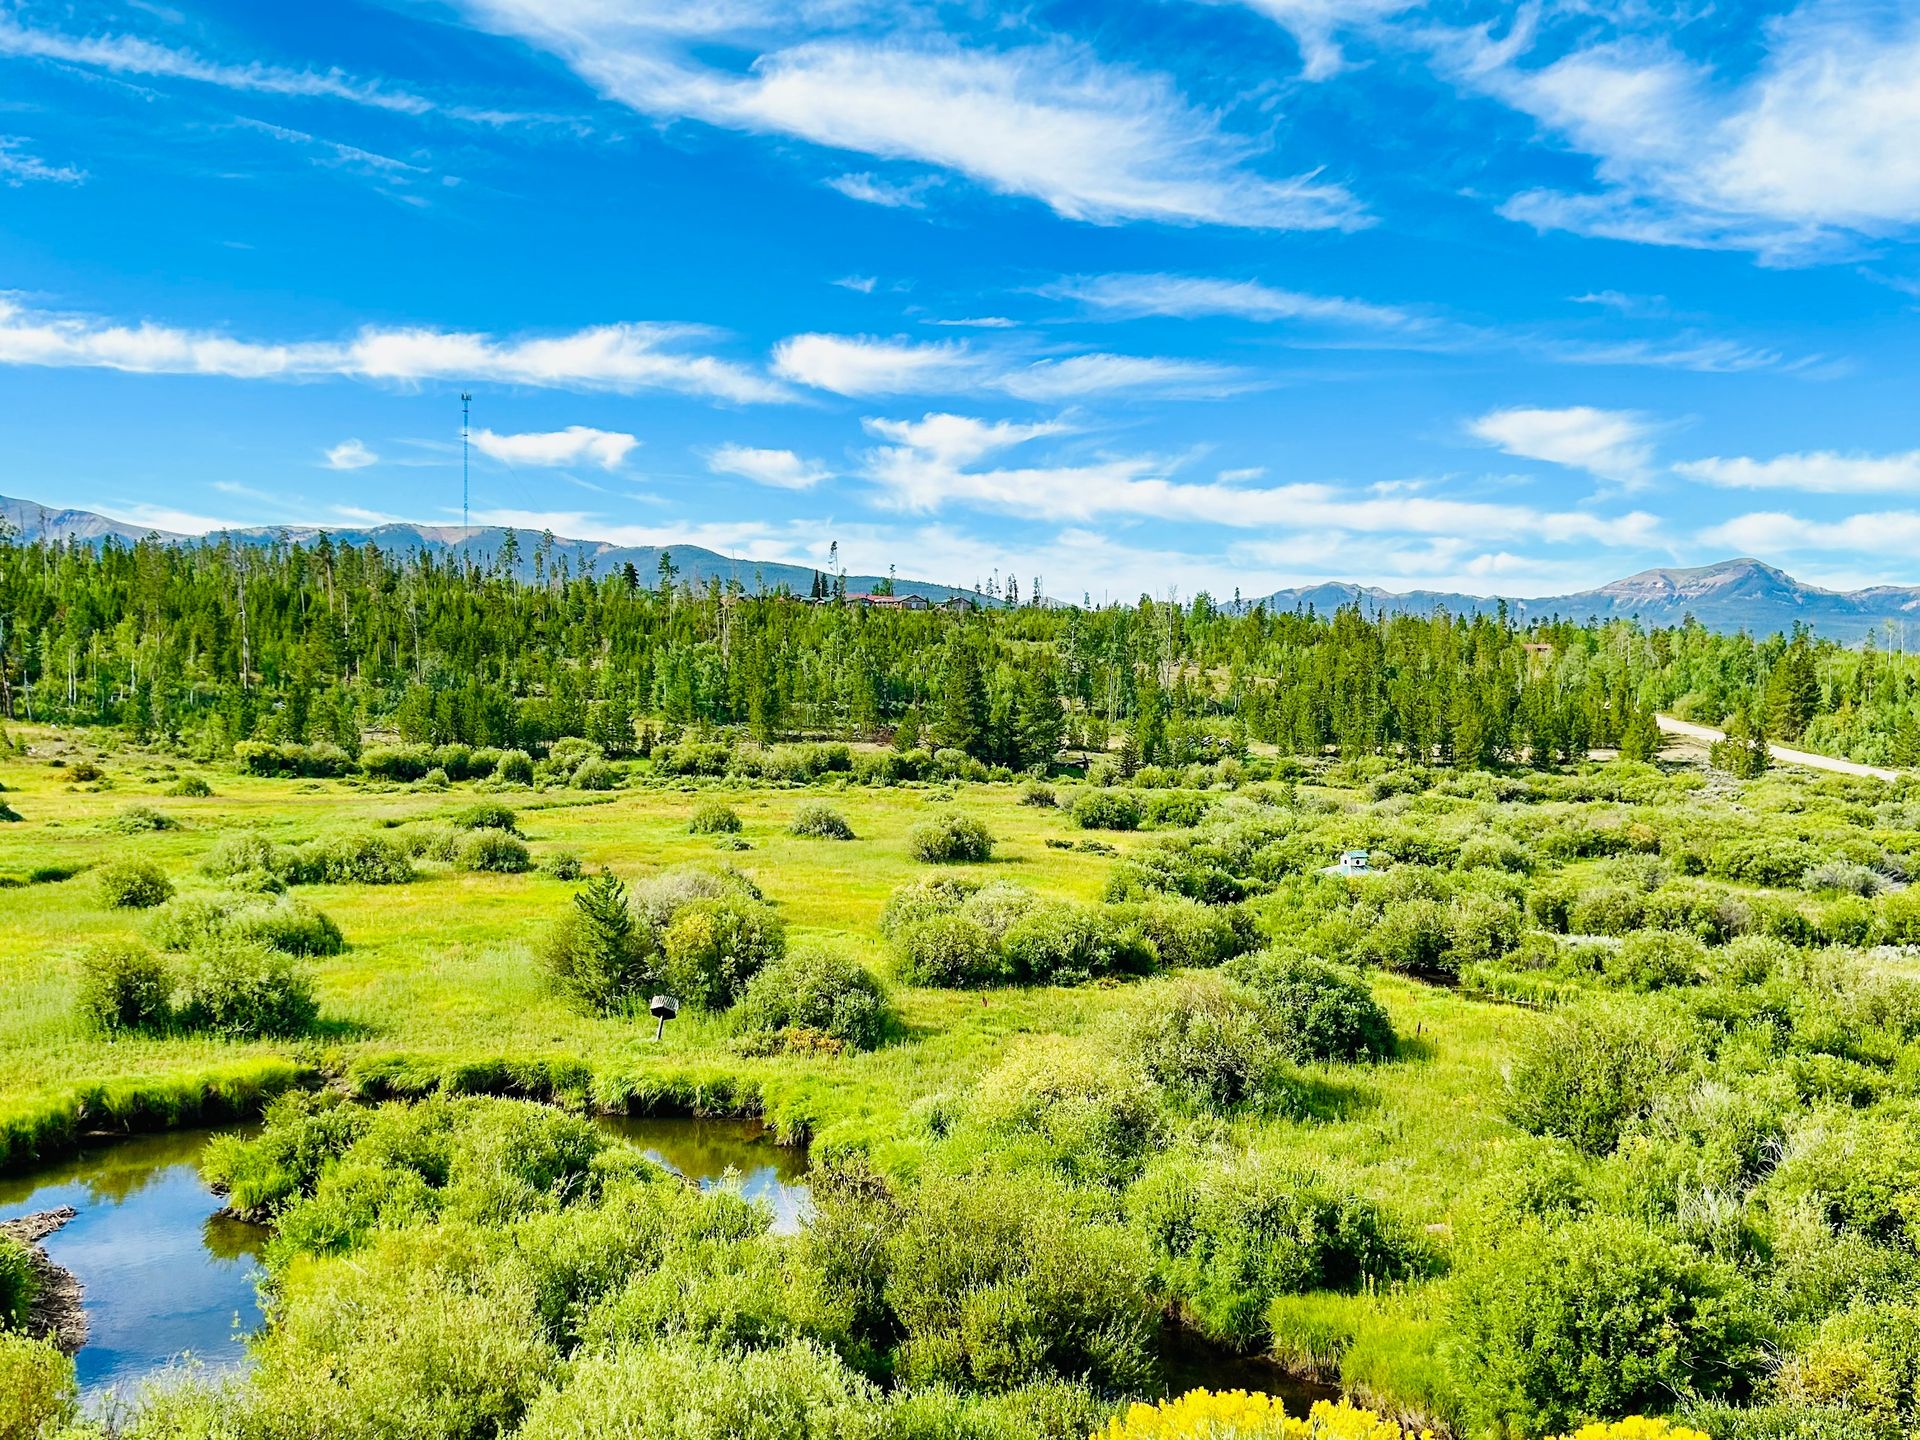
(950, 839)
(240, 851)
(1319, 1011)
(659, 898)
(714, 818)
(1205, 1041)
(1035, 794)
(816, 991)
(595, 774)
(18, 1285)
(1596, 1317)
(396, 762)
(597, 955)
(514, 767)
(290, 925)
(38, 1396)
(488, 815)
(246, 990)
(1186, 934)
(1070, 1107)
(949, 950)
(493, 851)
(1584, 1077)
(1097, 808)
(1654, 960)
(1228, 1236)
(141, 820)
(712, 948)
(820, 822)
(319, 761)
(1060, 943)
(674, 1390)
(123, 987)
(132, 885)
(1174, 809)
(346, 860)
(922, 899)
(562, 865)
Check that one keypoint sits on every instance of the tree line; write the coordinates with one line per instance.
(217, 642)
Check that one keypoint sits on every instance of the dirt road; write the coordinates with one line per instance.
(1781, 754)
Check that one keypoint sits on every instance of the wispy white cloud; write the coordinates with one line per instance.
(936, 461)
(861, 284)
(621, 358)
(1317, 24)
(894, 194)
(351, 455)
(549, 449)
(1809, 151)
(781, 469)
(1080, 376)
(19, 166)
(1823, 472)
(130, 55)
(1612, 444)
(862, 365)
(1194, 296)
(1049, 121)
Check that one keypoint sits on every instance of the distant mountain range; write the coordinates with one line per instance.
(1741, 594)
(692, 564)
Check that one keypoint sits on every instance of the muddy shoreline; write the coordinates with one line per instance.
(58, 1310)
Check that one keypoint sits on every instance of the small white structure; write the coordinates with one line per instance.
(1350, 863)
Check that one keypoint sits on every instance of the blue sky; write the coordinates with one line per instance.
(1169, 294)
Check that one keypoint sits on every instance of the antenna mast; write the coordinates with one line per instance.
(466, 402)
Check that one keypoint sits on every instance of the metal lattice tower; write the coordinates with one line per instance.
(466, 403)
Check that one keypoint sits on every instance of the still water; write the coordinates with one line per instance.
(165, 1274)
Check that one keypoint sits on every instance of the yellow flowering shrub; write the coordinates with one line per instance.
(1636, 1427)
(1245, 1415)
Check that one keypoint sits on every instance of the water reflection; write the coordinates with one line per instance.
(164, 1274)
(705, 1150)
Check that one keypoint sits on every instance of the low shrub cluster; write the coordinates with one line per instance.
(699, 934)
(950, 840)
(811, 995)
(228, 984)
(363, 859)
(714, 818)
(820, 822)
(132, 885)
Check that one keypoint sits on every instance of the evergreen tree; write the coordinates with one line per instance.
(960, 722)
(1640, 740)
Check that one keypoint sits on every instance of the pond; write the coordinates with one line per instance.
(165, 1273)
(705, 1150)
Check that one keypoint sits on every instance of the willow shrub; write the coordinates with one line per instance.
(950, 840)
(1318, 1010)
(714, 818)
(132, 885)
(1598, 1316)
(1583, 1077)
(815, 992)
(124, 986)
(17, 1284)
(38, 1396)
(246, 990)
(1230, 1234)
(711, 949)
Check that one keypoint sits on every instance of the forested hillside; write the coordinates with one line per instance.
(215, 644)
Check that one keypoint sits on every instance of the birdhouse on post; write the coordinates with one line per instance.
(664, 1008)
